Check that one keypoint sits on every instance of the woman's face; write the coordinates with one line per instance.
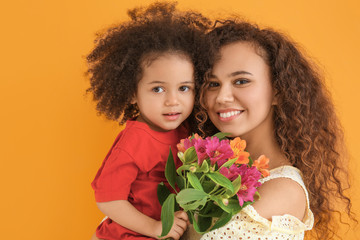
(239, 96)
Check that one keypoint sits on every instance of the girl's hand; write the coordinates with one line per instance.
(181, 221)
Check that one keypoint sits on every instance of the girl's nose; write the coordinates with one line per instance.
(225, 95)
(171, 99)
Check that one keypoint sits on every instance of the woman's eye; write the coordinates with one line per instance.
(158, 89)
(241, 81)
(213, 85)
(184, 88)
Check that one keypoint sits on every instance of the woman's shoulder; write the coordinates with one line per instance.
(282, 193)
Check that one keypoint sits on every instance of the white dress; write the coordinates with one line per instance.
(248, 224)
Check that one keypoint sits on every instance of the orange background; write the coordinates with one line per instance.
(52, 140)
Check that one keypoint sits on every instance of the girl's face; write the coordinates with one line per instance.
(165, 93)
(239, 96)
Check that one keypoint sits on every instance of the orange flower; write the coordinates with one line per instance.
(187, 143)
(237, 143)
(180, 146)
(196, 136)
(238, 146)
(262, 164)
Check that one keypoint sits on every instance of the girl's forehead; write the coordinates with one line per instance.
(148, 58)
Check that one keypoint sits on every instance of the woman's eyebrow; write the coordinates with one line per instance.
(233, 74)
(239, 73)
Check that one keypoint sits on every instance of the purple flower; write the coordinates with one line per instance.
(218, 151)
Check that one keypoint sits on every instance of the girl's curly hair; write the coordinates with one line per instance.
(116, 63)
(306, 126)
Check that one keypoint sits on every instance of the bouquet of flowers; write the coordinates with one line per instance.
(217, 179)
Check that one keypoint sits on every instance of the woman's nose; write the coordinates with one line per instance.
(225, 95)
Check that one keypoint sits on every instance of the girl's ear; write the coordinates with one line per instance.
(133, 100)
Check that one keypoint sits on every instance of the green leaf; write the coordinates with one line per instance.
(182, 168)
(194, 223)
(194, 181)
(194, 205)
(211, 210)
(233, 205)
(167, 214)
(204, 223)
(247, 203)
(170, 171)
(191, 199)
(221, 180)
(219, 201)
(180, 181)
(190, 155)
(224, 219)
(208, 185)
(236, 184)
(162, 192)
(221, 135)
(250, 162)
(190, 194)
(204, 167)
(198, 226)
(229, 163)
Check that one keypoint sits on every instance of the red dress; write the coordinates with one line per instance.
(132, 170)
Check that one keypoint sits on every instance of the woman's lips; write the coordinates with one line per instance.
(228, 115)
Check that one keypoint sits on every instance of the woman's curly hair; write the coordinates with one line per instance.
(306, 126)
(116, 63)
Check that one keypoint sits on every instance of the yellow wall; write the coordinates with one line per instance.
(52, 141)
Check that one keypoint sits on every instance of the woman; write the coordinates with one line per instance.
(262, 89)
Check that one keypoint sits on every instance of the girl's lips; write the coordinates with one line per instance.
(228, 115)
(172, 116)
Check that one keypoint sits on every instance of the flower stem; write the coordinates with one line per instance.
(214, 189)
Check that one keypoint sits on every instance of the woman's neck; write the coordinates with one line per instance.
(263, 142)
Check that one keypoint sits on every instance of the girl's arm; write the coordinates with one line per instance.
(125, 214)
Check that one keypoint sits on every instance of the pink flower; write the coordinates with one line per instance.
(184, 144)
(200, 148)
(218, 151)
(230, 173)
(249, 182)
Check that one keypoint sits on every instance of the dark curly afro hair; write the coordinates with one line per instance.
(115, 64)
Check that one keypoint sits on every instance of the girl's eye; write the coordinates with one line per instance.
(213, 84)
(241, 81)
(184, 88)
(157, 89)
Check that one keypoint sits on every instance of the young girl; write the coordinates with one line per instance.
(264, 90)
(144, 72)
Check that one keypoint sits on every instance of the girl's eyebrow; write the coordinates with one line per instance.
(160, 82)
(188, 82)
(156, 82)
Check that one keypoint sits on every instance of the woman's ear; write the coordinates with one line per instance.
(275, 98)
